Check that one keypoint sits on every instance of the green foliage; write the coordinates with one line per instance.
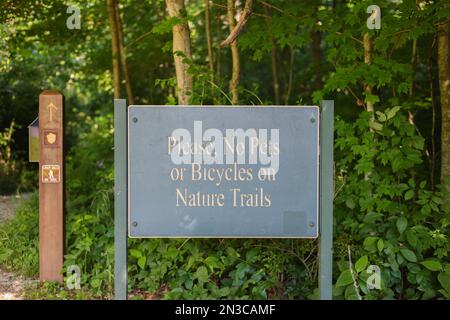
(54, 291)
(386, 212)
(9, 172)
(19, 239)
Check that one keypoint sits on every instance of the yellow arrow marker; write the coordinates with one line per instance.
(50, 108)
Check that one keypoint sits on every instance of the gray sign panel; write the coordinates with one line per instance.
(221, 171)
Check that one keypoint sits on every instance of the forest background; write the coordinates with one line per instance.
(391, 87)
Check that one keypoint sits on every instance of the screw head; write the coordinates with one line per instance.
(311, 224)
(312, 120)
(135, 119)
(134, 224)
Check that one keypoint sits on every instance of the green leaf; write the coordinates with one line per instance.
(370, 243)
(96, 283)
(212, 262)
(350, 293)
(361, 264)
(444, 280)
(375, 125)
(171, 253)
(432, 265)
(371, 98)
(380, 245)
(390, 113)
(135, 253)
(344, 279)
(252, 255)
(350, 203)
(411, 237)
(401, 224)
(381, 116)
(141, 262)
(447, 267)
(408, 255)
(409, 194)
(444, 293)
(202, 274)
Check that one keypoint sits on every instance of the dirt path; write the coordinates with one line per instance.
(10, 284)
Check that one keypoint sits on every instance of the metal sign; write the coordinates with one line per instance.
(33, 141)
(152, 145)
(223, 171)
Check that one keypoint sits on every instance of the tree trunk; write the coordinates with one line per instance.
(411, 83)
(123, 55)
(291, 75)
(444, 86)
(181, 50)
(209, 40)
(368, 47)
(433, 119)
(316, 53)
(111, 4)
(234, 82)
(276, 84)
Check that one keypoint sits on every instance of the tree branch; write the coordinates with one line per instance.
(246, 13)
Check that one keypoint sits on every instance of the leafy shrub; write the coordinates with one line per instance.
(19, 239)
(386, 210)
(8, 166)
(14, 175)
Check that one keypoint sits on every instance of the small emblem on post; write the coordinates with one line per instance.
(51, 138)
(51, 173)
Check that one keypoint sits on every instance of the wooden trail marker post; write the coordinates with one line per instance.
(51, 191)
(149, 203)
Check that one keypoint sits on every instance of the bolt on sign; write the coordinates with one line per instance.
(51, 185)
(223, 171)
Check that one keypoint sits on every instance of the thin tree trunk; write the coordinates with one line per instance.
(444, 85)
(411, 84)
(316, 53)
(291, 76)
(123, 56)
(368, 47)
(209, 39)
(181, 44)
(218, 56)
(234, 82)
(111, 4)
(276, 84)
(433, 120)
(413, 65)
(316, 50)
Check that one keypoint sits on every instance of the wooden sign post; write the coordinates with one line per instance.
(51, 192)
